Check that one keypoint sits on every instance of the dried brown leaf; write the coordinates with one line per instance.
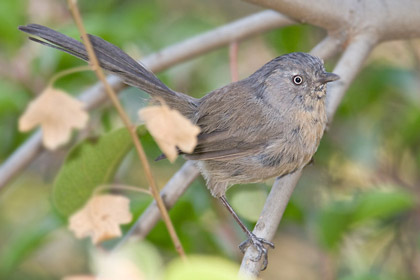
(170, 129)
(57, 113)
(101, 217)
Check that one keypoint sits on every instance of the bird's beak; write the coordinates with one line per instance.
(327, 77)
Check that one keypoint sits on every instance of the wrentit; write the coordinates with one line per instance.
(267, 125)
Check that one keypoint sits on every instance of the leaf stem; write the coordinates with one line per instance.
(67, 72)
(131, 128)
(122, 187)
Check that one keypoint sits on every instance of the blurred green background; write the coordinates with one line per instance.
(354, 215)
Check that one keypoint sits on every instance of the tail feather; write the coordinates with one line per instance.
(117, 62)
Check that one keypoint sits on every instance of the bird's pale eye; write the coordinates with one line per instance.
(297, 80)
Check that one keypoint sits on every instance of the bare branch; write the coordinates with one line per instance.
(156, 62)
(348, 66)
(233, 61)
(328, 47)
(309, 12)
(21, 158)
(388, 19)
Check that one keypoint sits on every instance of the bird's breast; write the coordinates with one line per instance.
(310, 127)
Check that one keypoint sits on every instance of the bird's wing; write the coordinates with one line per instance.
(219, 146)
(230, 121)
(222, 145)
(234, 123)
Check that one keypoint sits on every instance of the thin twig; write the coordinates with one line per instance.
(121, 187)
(233, 61)
(131, 128)
(67, 72)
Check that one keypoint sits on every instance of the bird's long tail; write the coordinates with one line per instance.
(114, 60)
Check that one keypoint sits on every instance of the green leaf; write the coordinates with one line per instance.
(291, 39)
(293, 212)
(379, 204)
(333, 221)
(367, 276)
(88, 165)
(13, 98)
(340, 217)
(12, 13)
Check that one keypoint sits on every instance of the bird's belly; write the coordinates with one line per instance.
(278, 157)
(286, 155)
(255, 168)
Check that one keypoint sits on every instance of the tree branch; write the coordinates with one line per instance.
(21, 158)
(309, 12)
(330, 46)
(156, 62)
(388, 19)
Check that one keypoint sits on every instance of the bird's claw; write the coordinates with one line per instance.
(258, 244)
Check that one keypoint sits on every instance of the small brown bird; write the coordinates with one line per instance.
(267, 125)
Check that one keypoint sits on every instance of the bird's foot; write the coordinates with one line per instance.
(258, 244)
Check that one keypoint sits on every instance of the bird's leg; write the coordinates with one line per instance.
(253, 240)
